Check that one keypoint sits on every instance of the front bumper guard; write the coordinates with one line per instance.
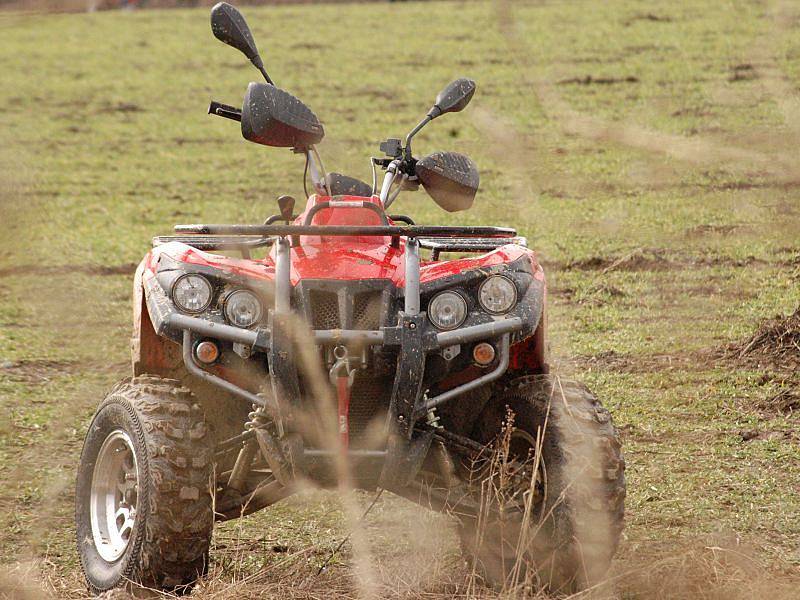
(260, 340)
(410, 335)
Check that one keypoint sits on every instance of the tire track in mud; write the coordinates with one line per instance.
(67, 270)
(783, 168)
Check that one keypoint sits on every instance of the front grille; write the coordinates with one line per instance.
(362, 305)
(369, 401)
(363, 310)
(367, 311)
(324, 310)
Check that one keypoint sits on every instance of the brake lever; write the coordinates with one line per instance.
(224, 110)
(383, 163)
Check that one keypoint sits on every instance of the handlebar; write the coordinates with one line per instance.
(224, 110)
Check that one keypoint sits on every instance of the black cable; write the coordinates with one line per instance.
(305, 175)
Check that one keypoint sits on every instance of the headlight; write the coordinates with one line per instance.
(192, 293)
(447, 310)
(497, 294)
(242, 308)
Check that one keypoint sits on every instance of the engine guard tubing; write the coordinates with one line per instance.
(496, 373)
(196, 370)
(268, 445)
(412, 410)
(260, 339)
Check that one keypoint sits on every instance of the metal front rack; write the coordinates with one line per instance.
(467, 244)
(216, 242)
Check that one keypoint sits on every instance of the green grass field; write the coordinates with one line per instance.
(648, 154)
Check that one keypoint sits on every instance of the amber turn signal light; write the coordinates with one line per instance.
(483, 353)
(206, 352)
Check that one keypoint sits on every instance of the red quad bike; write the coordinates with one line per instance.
(345, 358)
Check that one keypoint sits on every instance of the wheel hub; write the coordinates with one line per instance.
(114, 495)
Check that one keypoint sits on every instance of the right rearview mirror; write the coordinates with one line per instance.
(273, 117)
(453, 98)
(229, 27)
(450, 178)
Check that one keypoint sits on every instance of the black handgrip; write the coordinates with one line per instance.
(224, 110)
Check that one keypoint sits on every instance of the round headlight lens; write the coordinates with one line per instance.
(447, 310)
(243, 308)
(192, 293)
(497, 294)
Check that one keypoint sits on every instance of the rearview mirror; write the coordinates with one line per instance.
(229, 26)
(450, 178)
(273, 117)
(453, 98)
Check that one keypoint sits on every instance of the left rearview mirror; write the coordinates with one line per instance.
(230, 27)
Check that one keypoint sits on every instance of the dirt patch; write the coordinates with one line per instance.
(102, 270)
(637, 260)
(641, 48)
(307, 46)
(693, 112)
(182, 141)
(376, 93)
(748, 435)
(654, 259)
(643, 363)
(774, 348)
(35, 371)
(600, 294)
(775, 345)
(659, 438)
(652, 17)
(592, 80)
(743, 72)
(706, 229)
(121, 107)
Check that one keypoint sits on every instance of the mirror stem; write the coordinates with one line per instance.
(264, 73)
(415, 131)
(317, 171)
(259, 64)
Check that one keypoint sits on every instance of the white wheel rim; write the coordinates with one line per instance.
(114, 494)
